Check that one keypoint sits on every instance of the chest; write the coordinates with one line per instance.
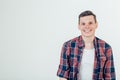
(95, 56)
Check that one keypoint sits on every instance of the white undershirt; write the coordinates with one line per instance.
(87, 64)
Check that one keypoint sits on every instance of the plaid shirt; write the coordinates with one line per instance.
(71, 56)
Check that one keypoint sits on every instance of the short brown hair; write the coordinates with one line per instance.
(87, 13)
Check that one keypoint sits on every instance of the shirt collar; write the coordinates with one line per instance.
(81, 42)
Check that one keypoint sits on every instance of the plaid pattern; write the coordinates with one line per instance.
(71, 55)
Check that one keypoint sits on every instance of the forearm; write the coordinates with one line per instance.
(62, 79)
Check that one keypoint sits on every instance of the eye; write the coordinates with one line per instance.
(90, 23)
(82, 23)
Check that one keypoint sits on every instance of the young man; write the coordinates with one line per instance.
(86, 57)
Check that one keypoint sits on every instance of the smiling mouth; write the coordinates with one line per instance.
(87, 31)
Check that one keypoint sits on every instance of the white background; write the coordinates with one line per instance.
(32, 33)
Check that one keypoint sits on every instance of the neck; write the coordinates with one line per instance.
(88, 42)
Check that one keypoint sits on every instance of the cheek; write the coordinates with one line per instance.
(79, 27)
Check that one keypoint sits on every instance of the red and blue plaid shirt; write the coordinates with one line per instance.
(71, 56)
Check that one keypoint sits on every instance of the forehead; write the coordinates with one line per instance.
(87, 18)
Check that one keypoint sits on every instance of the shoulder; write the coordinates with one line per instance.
(102, 43)
(71, 42)
(103, 48)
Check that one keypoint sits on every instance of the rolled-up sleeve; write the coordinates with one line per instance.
(63, 69)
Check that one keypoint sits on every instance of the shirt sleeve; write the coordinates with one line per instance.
(63, 70)
(109, 70)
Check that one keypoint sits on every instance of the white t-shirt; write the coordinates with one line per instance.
(87, 64)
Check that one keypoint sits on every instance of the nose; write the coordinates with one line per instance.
(87, 26)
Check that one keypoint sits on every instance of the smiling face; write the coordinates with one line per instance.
(87, 26)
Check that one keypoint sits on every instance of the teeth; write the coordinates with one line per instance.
(87, 31)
